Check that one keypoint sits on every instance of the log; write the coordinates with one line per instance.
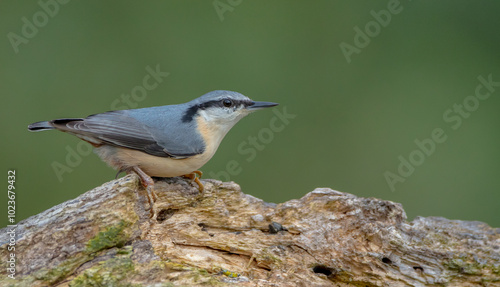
(222, 236)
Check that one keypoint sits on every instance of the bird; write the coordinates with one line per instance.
(162, 141)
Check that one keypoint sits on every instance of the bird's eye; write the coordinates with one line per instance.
(227, 103)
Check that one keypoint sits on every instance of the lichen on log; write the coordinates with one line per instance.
(222, 236)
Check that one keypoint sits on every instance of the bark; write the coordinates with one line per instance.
(222, 236)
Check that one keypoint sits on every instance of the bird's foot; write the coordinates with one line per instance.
(193, 177)
(148, 183)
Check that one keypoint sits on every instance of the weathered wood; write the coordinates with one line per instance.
(327, 238)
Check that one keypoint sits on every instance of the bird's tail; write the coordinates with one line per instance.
(40, 126)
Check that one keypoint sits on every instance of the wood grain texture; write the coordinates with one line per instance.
(223, 236)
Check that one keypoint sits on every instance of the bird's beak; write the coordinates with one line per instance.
(261, 105)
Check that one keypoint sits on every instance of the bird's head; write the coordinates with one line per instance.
(222, 109)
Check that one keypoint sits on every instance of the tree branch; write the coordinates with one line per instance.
(326, 238)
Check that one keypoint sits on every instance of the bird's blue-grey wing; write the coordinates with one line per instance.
(120, 128)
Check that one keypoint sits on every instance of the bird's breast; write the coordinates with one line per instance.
(212, 136)
(123, 158)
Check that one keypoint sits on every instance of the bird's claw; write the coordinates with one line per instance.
(148, 183)
(195, 176)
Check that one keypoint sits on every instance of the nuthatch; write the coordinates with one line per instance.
(165, 141)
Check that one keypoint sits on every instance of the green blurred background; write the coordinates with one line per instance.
(353, 120)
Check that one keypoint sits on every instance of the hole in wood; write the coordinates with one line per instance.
(322, 269)
(165, 214)
(418, 268)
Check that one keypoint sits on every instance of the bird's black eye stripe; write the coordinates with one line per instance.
(226, 102)
(232, 103)
(192, 110)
